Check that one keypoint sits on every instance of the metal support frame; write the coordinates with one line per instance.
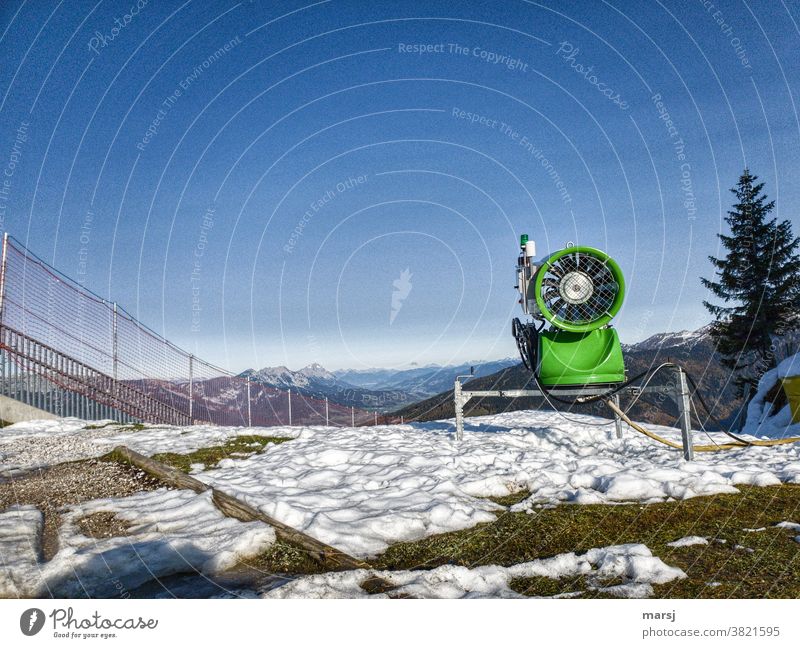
(678, 390)
(684, 414)
(617, 419)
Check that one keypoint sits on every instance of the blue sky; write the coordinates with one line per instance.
(253, 179)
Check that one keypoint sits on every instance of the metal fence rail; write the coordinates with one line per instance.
(41, 377)
(69, 352)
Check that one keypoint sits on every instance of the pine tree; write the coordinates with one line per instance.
(758, 282)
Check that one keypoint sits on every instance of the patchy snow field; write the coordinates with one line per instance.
(42, 443)
(362, 489)
(169, 532)
(633, 564)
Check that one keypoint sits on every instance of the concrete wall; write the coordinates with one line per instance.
(14, 411)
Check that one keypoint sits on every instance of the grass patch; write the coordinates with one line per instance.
(130, 427)
(280, 558)
(103, 524)
(769, 571)
(511, 499)
(241, 446)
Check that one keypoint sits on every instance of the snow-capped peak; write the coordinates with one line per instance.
(316, 370)
(671, 339)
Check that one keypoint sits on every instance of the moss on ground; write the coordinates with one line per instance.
(770, 570)
(281, 558)
(129, 427)
(241, 446)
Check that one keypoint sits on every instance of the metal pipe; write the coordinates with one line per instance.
(684, 414)
(617, 419)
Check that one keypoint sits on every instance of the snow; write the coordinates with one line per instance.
(633, 563)
(761, 420)
(362, 489)
(171, 531)
(20, 530)
(32, 444)
(688, 541)
(789, 367)
(661, 341)
(792, 526)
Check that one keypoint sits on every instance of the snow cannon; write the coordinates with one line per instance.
(571, 295)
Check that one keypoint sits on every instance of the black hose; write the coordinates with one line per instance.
(711, 415)
(591, 399)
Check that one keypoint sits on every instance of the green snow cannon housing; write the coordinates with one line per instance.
(573, 294)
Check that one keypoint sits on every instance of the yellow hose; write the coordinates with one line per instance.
(697, 448)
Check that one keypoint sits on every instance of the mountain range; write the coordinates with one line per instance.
(693, 350)
(381, 390)
(426, 393)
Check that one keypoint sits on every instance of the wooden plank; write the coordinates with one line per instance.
(237, 509)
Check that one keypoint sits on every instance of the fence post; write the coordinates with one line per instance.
(3, 277)
(114, 356)
(191, 390)
(352, 416)
(376, 417)
(249, 408)
(290, 406)
(327, 418)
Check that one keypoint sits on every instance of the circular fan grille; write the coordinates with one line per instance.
(579, 289)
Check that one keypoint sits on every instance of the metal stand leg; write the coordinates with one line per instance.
(617, 419)
(459, 407)
(684, 415)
